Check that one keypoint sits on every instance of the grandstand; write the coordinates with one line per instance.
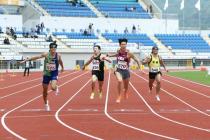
(68, 22)
(121, 9)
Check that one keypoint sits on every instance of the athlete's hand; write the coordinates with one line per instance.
(21, 62)
(83, 68)
(62, 70)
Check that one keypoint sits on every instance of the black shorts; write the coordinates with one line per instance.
(152, 75)
(98, 74)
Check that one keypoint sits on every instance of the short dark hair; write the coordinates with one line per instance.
(154, 47)
(53, 45)
(122, 40)
(99, 47)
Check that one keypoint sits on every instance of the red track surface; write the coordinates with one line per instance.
(182, 113)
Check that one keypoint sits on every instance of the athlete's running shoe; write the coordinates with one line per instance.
(92, 95)
(158, 98)
(57, 92)
(47, 107)
(118, 99)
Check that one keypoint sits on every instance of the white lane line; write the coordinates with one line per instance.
(192, 91)
(130, 126)
(176, 97)
(165, 118)
(20, 83)
(7, 113)
(25, 89)
(74, 129)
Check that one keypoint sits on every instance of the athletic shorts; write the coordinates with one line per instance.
(47, 79)
(98, 74)
(152, 75)
(125, 73)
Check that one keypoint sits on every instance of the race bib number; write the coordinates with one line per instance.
(122, 65)
(95, 65)
(51, 66)
(154, 70)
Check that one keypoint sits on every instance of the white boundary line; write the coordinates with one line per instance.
(23, 83)
(7, 113)
(165, 118)
(186, 88)
(129, 126)
(183, 86)
(176, 97)
(191, 126)
(74, 129)
(188, 81)
(2, 97)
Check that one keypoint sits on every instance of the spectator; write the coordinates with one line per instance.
(6, 41)
(134, 29)
(85, 32)
(126, 8)
(38, 29)
(8, 31)
(28, 65)
(134, 8)
(42, 27)
(12, 31)
(90, 28)
(49, 39)
(18, 10)
(126, 31)
(151, 9)
(194, 62)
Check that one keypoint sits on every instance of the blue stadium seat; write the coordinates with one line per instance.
(120, 9)
(142, 39)
(64, 8)
(193, 42)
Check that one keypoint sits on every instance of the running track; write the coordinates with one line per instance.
(182, 113)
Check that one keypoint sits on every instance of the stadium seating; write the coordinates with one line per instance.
(193, 42)
(64, 8)
(120, 9)
(77, 40)
(141, 39)
(35, 43)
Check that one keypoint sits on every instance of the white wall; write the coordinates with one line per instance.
(11, 21)
(149, 26)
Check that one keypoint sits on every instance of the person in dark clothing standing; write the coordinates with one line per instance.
(27, 67)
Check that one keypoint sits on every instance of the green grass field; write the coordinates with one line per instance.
(196, 76)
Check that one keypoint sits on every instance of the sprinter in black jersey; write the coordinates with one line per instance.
(97, 60)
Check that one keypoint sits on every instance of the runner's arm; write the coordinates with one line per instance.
(34, 58)
(163, 64)
(87, 63)
(135, 59)
(146, 60)
(103, 57)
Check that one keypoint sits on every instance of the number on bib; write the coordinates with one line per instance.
(51, 66)
(122, 65)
